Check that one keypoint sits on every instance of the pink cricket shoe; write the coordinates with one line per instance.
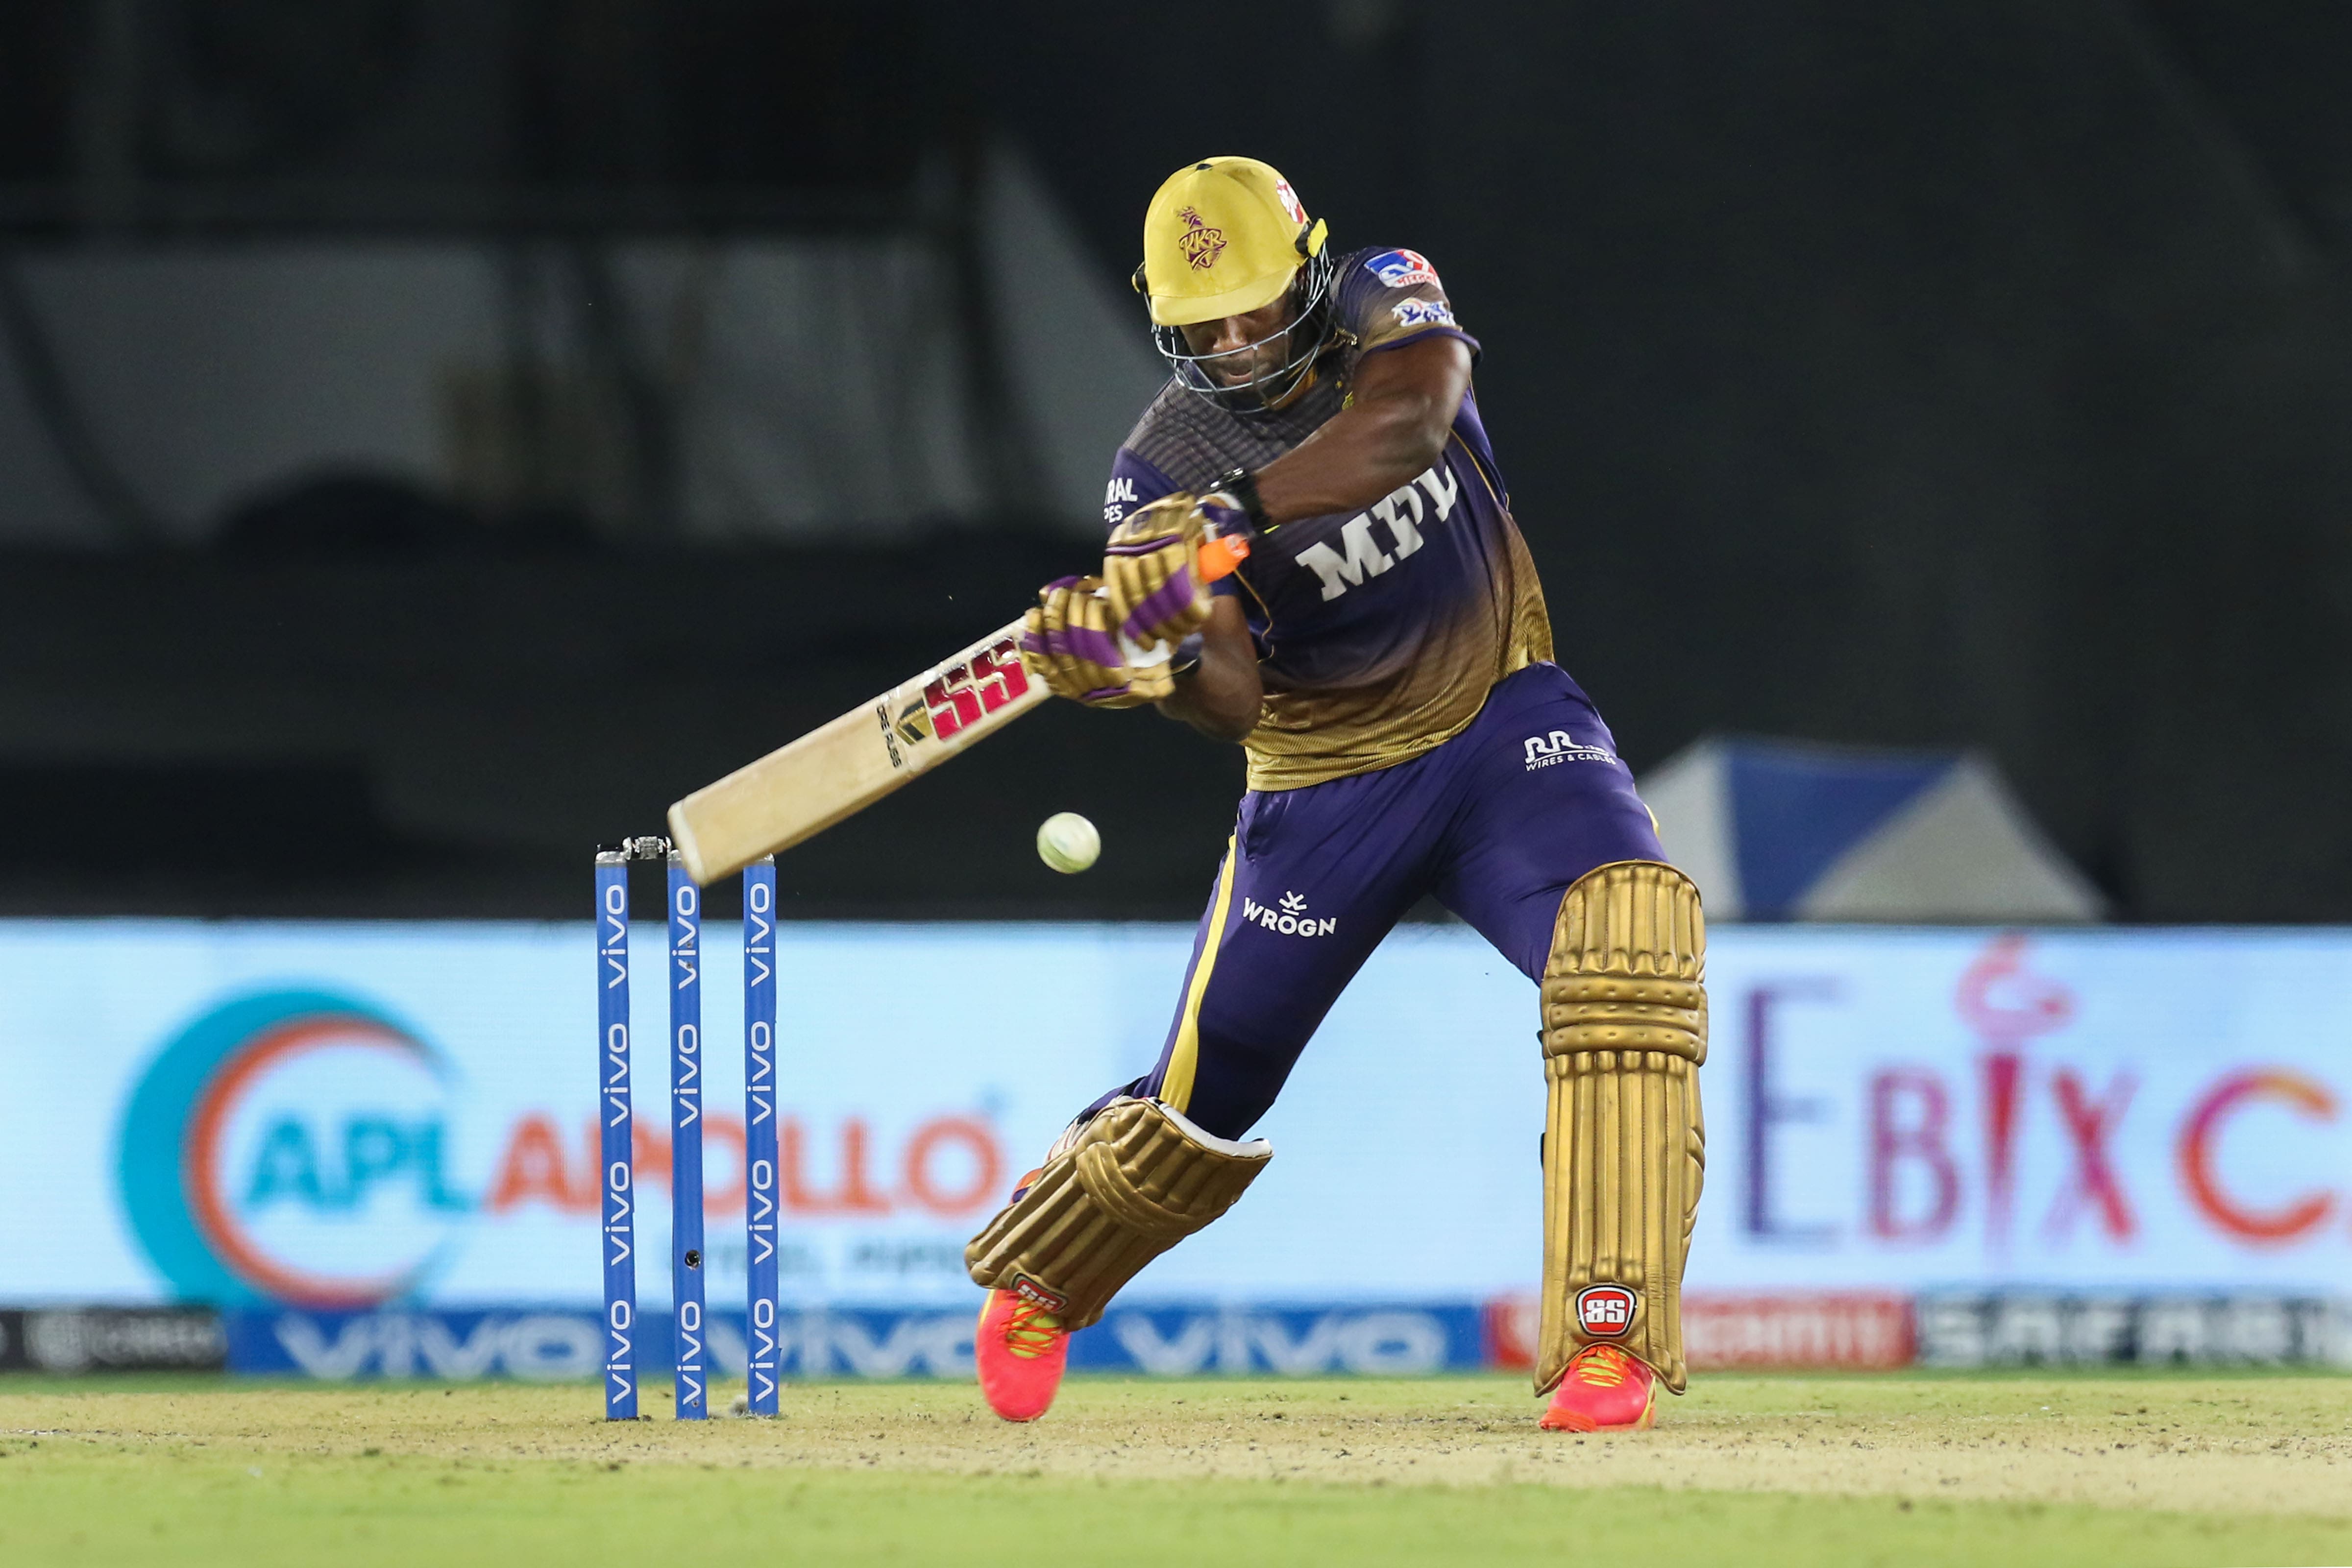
(1604, 1390)
(1021, 1349)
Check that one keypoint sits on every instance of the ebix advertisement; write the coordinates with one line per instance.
(332, 1120)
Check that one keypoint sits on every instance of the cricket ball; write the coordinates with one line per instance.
(1068, 843)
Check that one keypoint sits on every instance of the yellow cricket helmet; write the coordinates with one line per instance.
(1223, 237)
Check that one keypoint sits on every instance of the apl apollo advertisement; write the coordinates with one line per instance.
(336, 1118)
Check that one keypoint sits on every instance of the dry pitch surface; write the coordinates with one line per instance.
(1913, 1470)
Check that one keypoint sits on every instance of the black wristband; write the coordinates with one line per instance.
(1241, 485)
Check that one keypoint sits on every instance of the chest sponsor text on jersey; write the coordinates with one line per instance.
(1401, 513)
(1118, 496)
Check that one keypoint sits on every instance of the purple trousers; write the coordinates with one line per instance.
(1496, 823)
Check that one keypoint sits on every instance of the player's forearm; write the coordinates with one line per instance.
(1353, 462)
(1401, 414)
(1214, 702)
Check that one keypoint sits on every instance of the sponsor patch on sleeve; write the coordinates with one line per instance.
(1421, 313)
(1401, 268)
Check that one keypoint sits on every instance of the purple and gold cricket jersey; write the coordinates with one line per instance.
(1379, 632)
(1417, 739)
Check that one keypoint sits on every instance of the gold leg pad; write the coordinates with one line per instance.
(1624, 1012)
(1136, 1180)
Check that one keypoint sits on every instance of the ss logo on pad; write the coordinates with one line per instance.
(1606, 1311)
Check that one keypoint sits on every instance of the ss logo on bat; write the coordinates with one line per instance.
(961, 694)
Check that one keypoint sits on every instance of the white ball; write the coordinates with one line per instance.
(1067, 842)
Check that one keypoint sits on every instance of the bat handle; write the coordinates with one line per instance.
(1222, 556)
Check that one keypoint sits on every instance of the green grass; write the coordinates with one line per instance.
(1133, 1473)
(450, 1512)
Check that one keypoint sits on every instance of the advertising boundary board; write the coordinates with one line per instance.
(70, 1341)
(1842, 1332)
(334, 1118)
(1391, 1340)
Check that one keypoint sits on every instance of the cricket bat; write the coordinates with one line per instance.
(838, 770)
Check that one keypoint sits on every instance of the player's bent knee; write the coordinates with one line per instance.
(1625, 1032)
(1137, 1179)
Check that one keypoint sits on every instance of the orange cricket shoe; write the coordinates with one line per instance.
(1604, 1390)
(1020, 1351)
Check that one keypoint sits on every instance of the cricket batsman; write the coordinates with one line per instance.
(1385, 657)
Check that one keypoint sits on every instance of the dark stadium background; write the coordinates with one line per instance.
(1935, 374)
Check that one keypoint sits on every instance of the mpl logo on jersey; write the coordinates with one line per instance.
(291, 1146)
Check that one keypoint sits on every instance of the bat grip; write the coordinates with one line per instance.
(1220, 557)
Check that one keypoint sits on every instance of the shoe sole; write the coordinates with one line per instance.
(1015, 1420)
(1557, 1420)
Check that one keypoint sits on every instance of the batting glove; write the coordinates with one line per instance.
(1071, 643)
(1151, 567)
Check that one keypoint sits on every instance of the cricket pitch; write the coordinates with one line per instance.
(2015, 1468)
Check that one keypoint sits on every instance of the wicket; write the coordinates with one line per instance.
(683, 903)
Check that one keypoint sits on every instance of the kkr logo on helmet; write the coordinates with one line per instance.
(1200, 244)
(1606, 1311)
